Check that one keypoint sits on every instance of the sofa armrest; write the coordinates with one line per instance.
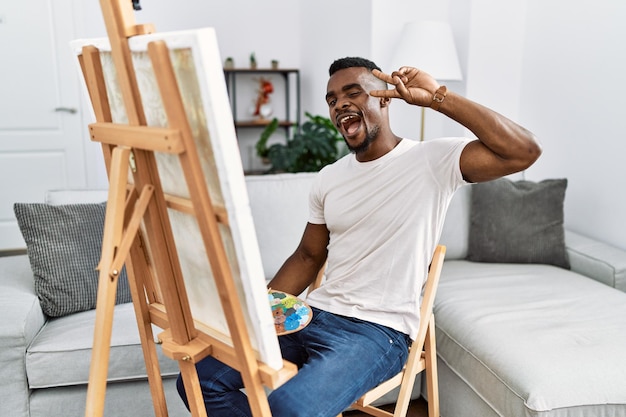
(22, 318)
(597, 260)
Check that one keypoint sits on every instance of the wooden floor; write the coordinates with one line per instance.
(417, 408)
(12, 252)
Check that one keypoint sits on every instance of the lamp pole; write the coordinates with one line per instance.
(422, 124)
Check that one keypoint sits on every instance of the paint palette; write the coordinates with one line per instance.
(290, 313)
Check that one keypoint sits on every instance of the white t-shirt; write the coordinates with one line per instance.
(385, 218)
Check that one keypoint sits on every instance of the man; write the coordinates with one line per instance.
(375, 217)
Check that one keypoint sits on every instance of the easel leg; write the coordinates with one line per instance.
(192, 386)
(136, 274)
(107, 284)
(96, 389)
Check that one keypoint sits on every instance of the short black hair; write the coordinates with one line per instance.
(351, 62)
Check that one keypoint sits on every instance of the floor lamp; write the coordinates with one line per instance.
(429, 46)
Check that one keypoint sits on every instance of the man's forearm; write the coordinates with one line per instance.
(296, 274)
(503, 146)
(501, 135)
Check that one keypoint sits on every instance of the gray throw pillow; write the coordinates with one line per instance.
(64, 244)
(518, 222)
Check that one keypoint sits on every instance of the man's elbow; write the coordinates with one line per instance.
(532, 152)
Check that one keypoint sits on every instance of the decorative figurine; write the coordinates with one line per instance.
(262, 108)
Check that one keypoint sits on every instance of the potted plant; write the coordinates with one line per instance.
(314, 145)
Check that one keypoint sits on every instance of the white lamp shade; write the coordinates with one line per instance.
(428, 46)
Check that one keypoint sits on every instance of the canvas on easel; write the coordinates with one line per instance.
(178, 212)
(200, 77)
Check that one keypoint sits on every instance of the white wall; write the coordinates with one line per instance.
(270, 29)
(555, 67)
(330, 30)
(390, 18)
(573, 95)
(495, 43)
(558, 69)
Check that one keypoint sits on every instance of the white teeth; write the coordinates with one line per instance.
(345, 118)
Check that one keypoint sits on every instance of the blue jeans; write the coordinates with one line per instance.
(339, 359)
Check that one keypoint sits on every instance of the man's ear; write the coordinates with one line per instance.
(385, 101)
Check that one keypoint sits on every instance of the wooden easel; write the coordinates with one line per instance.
(138, 233)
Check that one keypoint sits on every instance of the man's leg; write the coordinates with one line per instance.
(221, 386)
(345, 359)
(340, 359)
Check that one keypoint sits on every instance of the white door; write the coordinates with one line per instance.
(41, 129)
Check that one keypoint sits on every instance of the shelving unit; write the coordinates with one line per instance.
(291, 78)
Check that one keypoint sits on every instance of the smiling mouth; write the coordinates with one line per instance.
(349, 123)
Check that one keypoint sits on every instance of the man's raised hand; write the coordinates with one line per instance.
(411, 85)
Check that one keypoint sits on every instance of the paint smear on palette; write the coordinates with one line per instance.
(290, 313)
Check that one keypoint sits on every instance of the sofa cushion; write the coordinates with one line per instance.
(518, 222)
(21, 320)
(598, 260)
(64, 244)
(53, 361)
(533, 340)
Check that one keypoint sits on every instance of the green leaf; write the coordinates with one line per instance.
(261, 145)
(314, 145)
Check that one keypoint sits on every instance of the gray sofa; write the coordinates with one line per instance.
(513, 339)
(530, 340)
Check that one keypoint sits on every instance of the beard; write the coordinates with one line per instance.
(364, 146)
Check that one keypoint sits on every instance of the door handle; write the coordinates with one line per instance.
(70, 110)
